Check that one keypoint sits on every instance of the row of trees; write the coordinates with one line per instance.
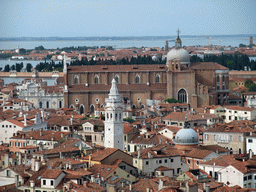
(233, 62)
(236, 62)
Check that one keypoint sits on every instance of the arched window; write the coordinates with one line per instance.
(81, 109)
(137, 79)
(60, 104)
(182, 96)
(157, 78)
(223, 78)
(47, 104)
(76, 80)
(96, 80)
(218, 78)
(120, 116)
(116, 78)
(40, 104)
(71, 106)
(92, 108)
(133, 106)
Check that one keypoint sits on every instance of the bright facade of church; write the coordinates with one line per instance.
(202, 83)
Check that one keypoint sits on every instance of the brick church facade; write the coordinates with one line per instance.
(203, 83)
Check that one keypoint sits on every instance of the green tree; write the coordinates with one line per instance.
(248, 82)
(130, 120)
(39, 48)
(23, 51)
(29, 67)
(252, 87)
(172, 100)
(231, 64)
(7, 68)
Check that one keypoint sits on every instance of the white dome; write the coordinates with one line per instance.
(179, 54)
(186, 136)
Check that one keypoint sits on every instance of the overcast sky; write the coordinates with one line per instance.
(65, 18)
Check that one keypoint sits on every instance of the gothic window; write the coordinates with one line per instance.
(223, 78)
(218, 78)
(116, 78)
(133, 106)
(81, 109)
(47, 104)
(60, 104)
(96, 80)
(157, 78)
(71, 106)
(40, 104)
(182, 96)
(137, 79)
(107, 116)
(92, 108)
(115, 116)
(120, 116)
(76, 80)
(111, 116)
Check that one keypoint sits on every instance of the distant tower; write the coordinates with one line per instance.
(65, 74)
(178, 43)
(251, 40)
(166, 46)
(114, 126)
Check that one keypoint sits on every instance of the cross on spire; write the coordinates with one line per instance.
(178, 31)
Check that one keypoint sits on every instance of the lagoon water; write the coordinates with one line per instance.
(125, 42)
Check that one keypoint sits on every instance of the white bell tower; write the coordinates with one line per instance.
(114, 126)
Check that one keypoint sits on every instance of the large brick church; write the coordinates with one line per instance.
(86, 87)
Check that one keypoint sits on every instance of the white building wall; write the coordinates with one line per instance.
(7, 130)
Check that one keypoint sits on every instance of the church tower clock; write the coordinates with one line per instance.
(114, 126)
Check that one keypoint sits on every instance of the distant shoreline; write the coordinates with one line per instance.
(112, 38)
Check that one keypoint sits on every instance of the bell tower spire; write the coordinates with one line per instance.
(114, 126)
(178, 43)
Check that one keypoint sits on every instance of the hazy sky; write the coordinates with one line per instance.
(66, 18)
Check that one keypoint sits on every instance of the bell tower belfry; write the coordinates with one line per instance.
(114, 126)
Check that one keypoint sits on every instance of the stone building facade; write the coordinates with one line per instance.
(195, 83)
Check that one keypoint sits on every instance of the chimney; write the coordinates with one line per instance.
(130, 187)
(92, 178)
(33, 160)
(17, 183)
(175, 109)
(138, 153)
(250, 154)
(147, 189)
(41, 132)
(25, 120)
(61, 135)
(207, 188)
(68, 185)
(37, 165)
(42, 115)
(85, 184)
(71, 119)
(32, 183)
(19, 158)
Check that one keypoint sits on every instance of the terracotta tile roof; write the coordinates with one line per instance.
(45, 135)
(101, 155)
(9, 188)
(214, 148)
(161, 151)
(163, 168)
(153, 139)
(230, 129)
(188, 116)
(198, 153)
(115, 68)
(207, 66)
(152, 183)
(18, 123)
(52, 173)
(238, 108)
(53, 89)
(102, 170)
(222, 161)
